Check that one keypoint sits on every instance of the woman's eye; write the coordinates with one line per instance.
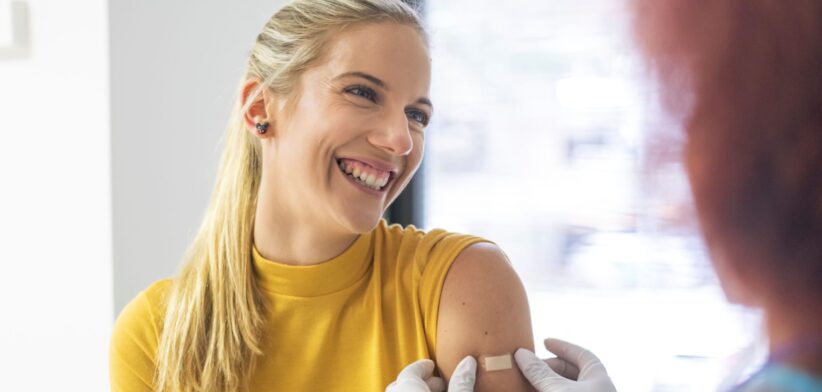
(364, 92)
(418, 116)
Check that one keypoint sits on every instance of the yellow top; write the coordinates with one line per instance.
(349, 324)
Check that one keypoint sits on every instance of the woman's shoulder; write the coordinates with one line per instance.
(429, 254)
(157, 291)
(135, 338)
(425, 245)
(145, 311)
(152, 300)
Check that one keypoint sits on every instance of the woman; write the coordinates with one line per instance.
(294, 282)
(750, 73)
(745, 77)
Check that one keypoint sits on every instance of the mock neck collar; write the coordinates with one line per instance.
(315, 280)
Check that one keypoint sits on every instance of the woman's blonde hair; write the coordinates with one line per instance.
(215, 311)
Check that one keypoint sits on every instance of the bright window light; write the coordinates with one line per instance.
(539, 143)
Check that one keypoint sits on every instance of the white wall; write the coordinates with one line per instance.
(174, 71)
(109, 140)
(55, 203)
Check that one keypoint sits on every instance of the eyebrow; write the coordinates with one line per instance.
(378, 82)
(426, 101)
(368, 77)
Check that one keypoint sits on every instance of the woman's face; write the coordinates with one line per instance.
(352, 137)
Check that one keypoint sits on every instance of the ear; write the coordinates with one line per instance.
(258, 107)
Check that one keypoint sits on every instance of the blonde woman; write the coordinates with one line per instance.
(294, 282)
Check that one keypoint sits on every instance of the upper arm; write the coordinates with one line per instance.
(133, 346)
(483, 312)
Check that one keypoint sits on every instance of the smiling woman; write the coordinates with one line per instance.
(294, 282)
(359, 107)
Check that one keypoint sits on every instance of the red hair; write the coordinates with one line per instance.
(746, 77)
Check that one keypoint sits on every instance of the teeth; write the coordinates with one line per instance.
(365, 178)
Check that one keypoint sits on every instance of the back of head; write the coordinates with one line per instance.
(212, 327)
(746, 76)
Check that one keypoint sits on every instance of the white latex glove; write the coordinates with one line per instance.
(418, 377)
(465, 376)
(592, 376)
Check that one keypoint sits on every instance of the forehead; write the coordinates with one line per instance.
(395, 53)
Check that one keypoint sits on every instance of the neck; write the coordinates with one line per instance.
(283, 236)
(795, 335)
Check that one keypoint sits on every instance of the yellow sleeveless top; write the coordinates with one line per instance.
(349, 324)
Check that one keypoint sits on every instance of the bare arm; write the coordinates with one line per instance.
(483, 312)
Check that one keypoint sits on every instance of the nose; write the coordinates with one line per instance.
(393, 135)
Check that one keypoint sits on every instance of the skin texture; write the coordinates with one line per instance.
(483, 311)
(308, 212)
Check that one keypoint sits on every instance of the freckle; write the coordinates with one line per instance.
(463, 304)
(486, 332)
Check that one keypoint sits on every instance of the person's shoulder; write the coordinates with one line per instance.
(157, 293)
(483, 309)
(411, 232)
(483, 269)
(152, 299)
(135, 338)
(467, 267)
(444, 247)
(424, 247)
(141, 319)
(146, 310)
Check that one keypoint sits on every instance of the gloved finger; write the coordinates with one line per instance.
(570, 352)
(413, 377)
(538, 373)
(584, 360)
(465, 376)
(563, 368)
(436, 384)
(419, 370)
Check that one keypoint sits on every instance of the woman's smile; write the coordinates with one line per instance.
(362, 109)
(371, 177)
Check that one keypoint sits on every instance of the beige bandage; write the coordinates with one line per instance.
(496, 363)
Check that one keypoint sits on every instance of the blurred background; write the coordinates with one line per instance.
(546, 140)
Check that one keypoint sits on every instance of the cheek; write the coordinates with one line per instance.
(415, 158)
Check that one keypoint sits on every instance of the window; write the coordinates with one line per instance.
(539, 140)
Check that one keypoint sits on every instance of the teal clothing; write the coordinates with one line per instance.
(780, 378)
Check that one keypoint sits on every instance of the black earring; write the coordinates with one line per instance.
(262, 127)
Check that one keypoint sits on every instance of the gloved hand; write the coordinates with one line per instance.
(418, 377)
(582, 370)
(465, 376)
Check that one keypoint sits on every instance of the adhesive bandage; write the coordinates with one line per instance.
(496, 363)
